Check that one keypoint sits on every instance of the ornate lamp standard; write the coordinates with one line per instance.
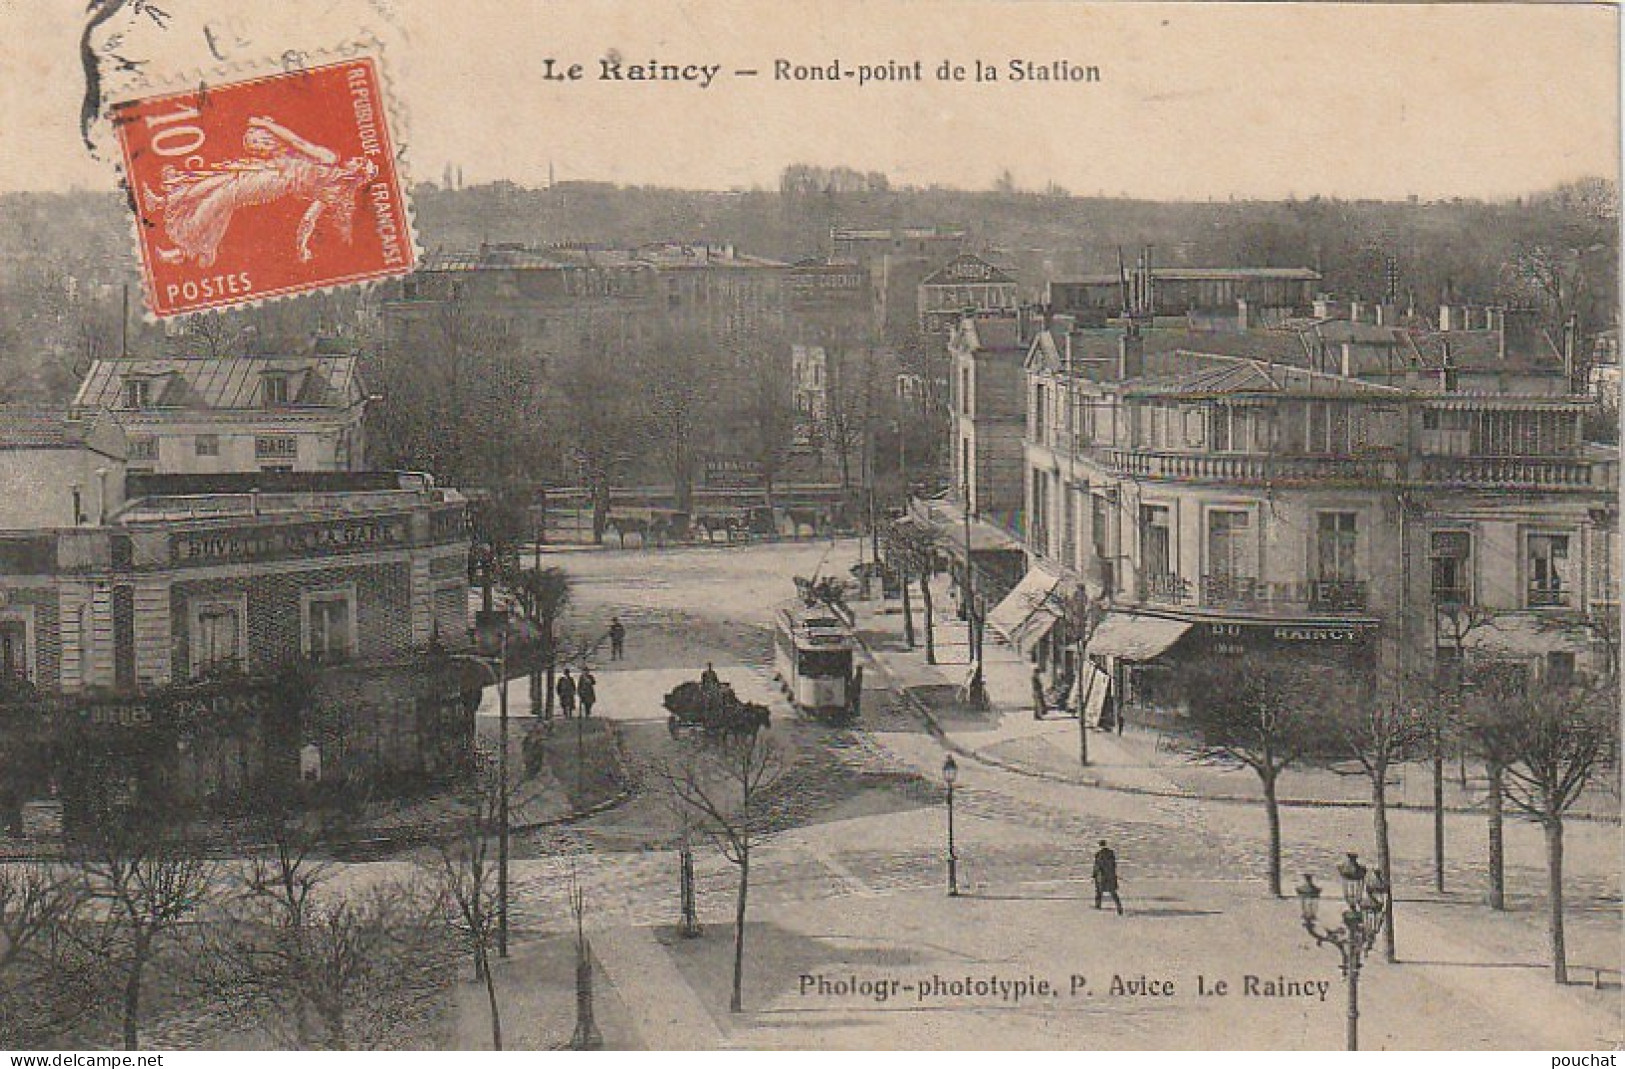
(1366, 896)
(950, 774)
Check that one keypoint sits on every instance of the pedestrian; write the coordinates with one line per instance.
(587, 691)
(617, 639)
(566, 690)
(1040, 707)
(1105, 876)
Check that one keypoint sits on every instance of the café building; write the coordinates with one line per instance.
(200, 647)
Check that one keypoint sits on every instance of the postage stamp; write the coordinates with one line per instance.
(266, 187)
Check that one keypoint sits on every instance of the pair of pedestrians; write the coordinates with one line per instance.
(571, 690)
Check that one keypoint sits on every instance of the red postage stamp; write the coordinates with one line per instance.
(267, 187)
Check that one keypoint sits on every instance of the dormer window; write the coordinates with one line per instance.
(137, 393)
(275, 390)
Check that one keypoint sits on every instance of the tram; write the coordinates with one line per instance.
(813, 660)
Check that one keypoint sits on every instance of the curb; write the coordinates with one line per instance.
(936, 731)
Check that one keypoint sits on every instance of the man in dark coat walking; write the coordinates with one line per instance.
(617, 639)
(1105, 876)
(566, 690)
(587, 692)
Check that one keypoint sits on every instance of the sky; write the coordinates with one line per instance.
(1194, 101)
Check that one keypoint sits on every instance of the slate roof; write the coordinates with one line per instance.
(224, 382)
(42, 427)
(1242, 377)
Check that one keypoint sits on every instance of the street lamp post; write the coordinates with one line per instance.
(1366, 896)
(950, 773)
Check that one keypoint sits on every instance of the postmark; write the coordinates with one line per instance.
(266, 187)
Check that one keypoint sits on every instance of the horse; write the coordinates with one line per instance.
(811, 518)
(625, 525)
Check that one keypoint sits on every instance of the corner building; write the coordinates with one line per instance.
(200, 648)
(1219, 504)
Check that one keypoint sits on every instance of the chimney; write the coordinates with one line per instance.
(1520, 332)
(1447, 321)
(1356, 311)
(1447, 371)
(1346, 364)
(1571, 353)
(1130, 354)
(1387, 314)
(1323, 306)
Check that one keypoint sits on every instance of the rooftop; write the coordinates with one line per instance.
(223, 382)
(1201, 274)
(43, 427)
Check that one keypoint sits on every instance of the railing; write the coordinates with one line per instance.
(1544, 597)
(1501, 473)
(1510, 473)
(1243, 468)
(1249, 594)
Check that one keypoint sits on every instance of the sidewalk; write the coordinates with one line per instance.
(1141, 760)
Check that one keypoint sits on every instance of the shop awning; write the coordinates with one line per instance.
(1135, 638)
(1027, 613)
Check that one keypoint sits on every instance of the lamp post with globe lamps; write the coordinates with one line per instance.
(950, 774)
(1366, 896)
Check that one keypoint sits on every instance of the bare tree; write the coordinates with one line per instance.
(727, 784)
(675, 376)
(853, 375)
(464, 873)
(150, 881)
(1455, 623)
(43, 988)
(1081, 615)
(1375, 734)
(1564, 739)
(598, 414)
(314, 967)
(763, 356)
(1489, 705)
(1257, 711)
(913, 550)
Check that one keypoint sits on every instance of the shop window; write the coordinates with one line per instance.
(329, 625)
(1560, 668)
(1547, 568)
(207, 445)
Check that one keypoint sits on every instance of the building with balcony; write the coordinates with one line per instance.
(1216, 504)
(233, 414)
(197, 648)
